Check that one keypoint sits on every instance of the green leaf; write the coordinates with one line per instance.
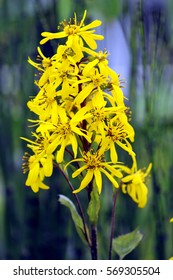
(94, 205)
(126, 243)
(75, 217)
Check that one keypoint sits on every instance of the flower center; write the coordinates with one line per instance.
(71, 29)
(46, 62)
(98, 114)
(102, 56)
(64, 129)
(117, 132)
(92, 161)
(98, 80)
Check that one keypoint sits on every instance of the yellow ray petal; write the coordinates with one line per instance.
(93, 24)
(110, 178)
(78, 171)
(98, 178)
(85, 182)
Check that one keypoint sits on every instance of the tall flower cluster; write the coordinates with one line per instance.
(80, 111)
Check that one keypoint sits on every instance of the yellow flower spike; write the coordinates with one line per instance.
(80, 104)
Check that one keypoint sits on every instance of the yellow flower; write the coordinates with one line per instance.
(100, 113)
(45, 104)
(44, 63)
(68, 55)
(38, 167)
(118, 132)
(93, 165)
(134, 185)
(76, 33)
(116, 90)
(90, 84)
(65, 132)
(97, 59)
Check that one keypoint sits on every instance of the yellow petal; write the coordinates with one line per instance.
(93, 24)
(124, 188)
(48, 166)
(80, 115)
(83, 19)
(43, 186)
(85, 182)
(143, 199)
(110, 178)
(54, 113)
(113, 170)
(52, 147)
(89, 41)
(50, 36)
(62, 114)
(78, 171)
(33, 174)
(60, 153)
(74, 144)
(113, 153)
(35, 187)
(124, 147)
(98, 178)
(71, 40)
(128, 178)
(148, 169)
(89, 66)
(84, 93)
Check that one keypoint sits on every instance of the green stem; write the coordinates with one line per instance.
(115, 196)
(78, 203)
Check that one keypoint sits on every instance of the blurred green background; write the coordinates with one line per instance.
(35, 226)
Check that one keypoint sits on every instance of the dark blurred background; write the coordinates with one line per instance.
(138, 35)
